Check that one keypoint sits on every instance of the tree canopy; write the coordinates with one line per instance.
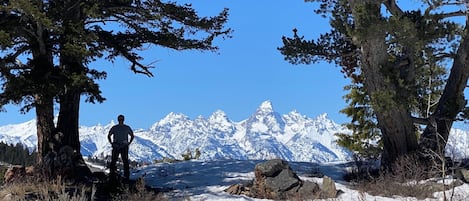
(407, 67)
(48, 46)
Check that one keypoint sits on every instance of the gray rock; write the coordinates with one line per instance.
(271, 168)
(464, 174)
(274, 179)
(328, 188)
(309, 189)
(284, 181)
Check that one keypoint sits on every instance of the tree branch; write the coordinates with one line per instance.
(393, 7)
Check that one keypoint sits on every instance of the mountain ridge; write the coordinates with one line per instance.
(265, 134)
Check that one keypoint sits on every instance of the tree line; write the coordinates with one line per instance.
(17, 154)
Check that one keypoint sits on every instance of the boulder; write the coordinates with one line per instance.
(271, 168)
(274, 179)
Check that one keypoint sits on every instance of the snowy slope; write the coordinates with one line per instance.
(265, 134)
(207, 180)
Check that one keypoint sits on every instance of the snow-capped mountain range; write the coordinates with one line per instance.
(266, 134)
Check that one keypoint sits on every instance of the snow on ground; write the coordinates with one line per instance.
(207, 180)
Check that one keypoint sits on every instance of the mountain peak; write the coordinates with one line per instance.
(266, 106)
(172, 117)
(323, 116)
(217, 115)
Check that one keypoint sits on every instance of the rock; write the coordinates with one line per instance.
(274, 179)
(271, 168)
(309, 189)
(235, 189)
(284, 181)
(14, 172)
(328, 188)
(463, 174)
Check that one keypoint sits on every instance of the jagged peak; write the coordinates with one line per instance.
(219, 113)
(172, 116)
(323, 116)
(295, 113)
(266, 106)
(218, 116)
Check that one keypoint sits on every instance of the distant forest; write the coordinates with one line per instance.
(16, 154)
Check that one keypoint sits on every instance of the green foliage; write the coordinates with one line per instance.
(417, 44)
(17, 155)
(47, 48)
(65, 36)
(364, 140)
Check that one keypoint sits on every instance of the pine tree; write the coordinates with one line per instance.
(61, 38)
(397, 57)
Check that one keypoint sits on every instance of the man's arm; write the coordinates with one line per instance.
(131, 133)
(109, 136)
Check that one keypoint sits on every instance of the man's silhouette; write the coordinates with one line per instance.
(120, 145)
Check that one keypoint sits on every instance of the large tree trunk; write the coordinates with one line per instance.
(68, 121)
(72, 66)
(42, 70)
(451, 102)
(394, 119)
(45, 125)
(68, 126)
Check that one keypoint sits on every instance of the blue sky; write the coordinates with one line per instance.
(247, 70)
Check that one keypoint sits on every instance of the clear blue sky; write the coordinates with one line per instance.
(247, 70)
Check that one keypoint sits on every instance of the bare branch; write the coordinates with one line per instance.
(421, 121)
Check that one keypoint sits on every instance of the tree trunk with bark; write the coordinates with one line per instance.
(68, 121)
(44, 124)
(72, 67)
(452, 101)
(394, 119)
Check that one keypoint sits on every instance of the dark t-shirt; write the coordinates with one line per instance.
(121, 133)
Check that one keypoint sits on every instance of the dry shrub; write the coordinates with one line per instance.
(139, 192)
(59, 190)
(405, 179)
(55, 190)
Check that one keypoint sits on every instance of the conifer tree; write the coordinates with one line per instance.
(61, 38)
(397, 56)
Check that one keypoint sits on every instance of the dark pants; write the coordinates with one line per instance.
(123, 150)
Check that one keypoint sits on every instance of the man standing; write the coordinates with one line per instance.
(120, 145)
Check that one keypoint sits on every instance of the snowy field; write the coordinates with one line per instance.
(207, 180)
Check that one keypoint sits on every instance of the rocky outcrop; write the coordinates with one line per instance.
(274, 179)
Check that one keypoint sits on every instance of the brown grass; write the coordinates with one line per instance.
(58, 190)
(406, 179)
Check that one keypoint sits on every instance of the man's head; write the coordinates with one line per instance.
(120, 119)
